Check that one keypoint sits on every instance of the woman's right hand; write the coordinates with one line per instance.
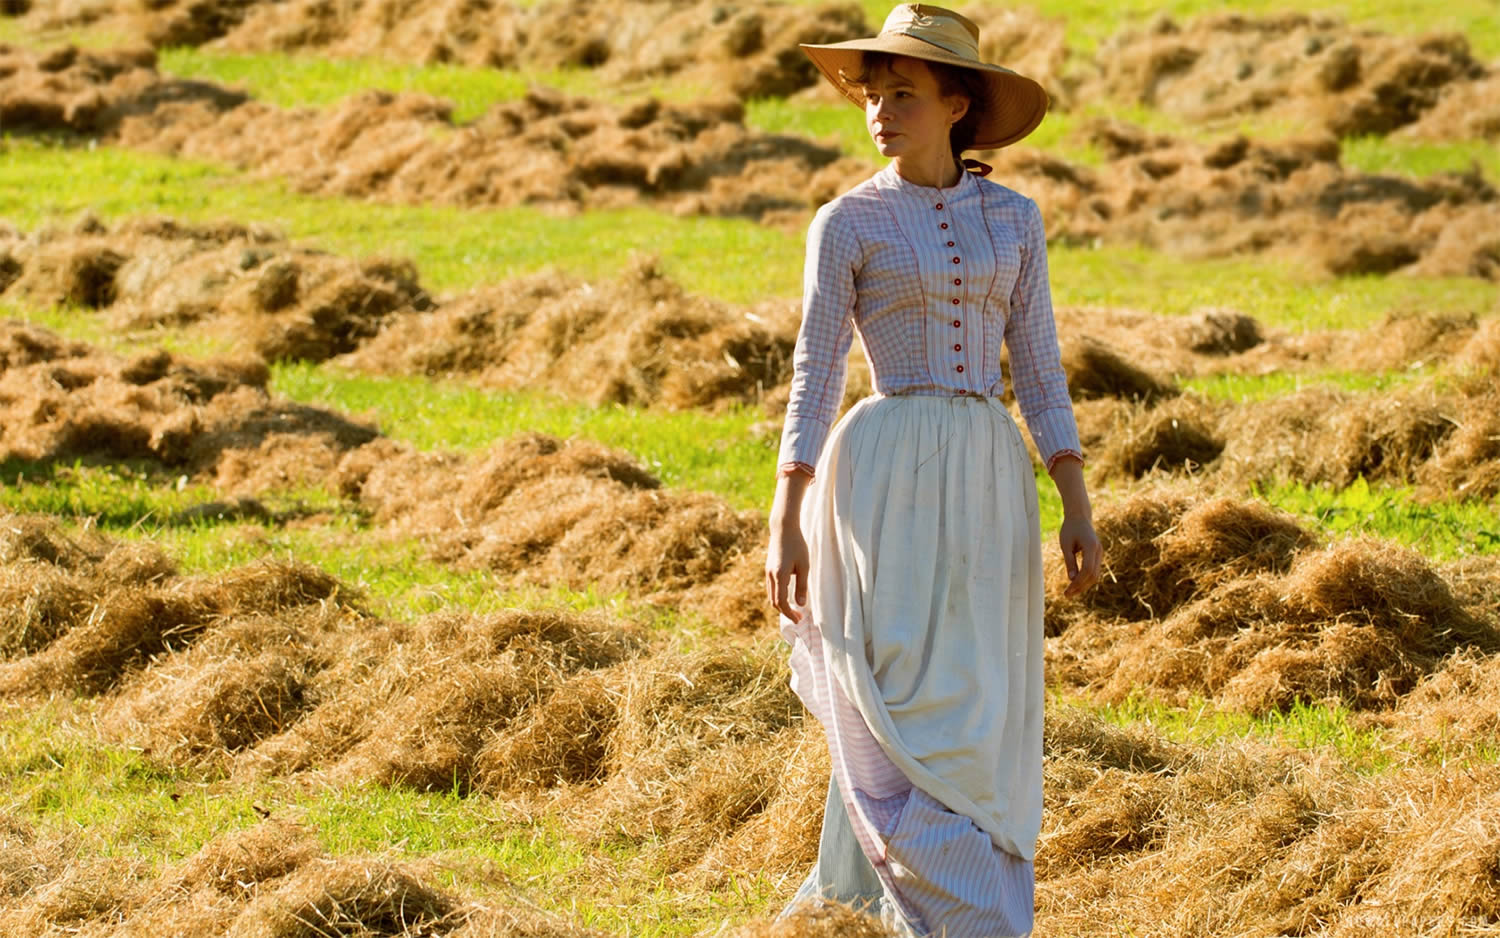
(786, 556)
(786, 565)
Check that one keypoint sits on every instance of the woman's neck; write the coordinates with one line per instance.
(939, 171)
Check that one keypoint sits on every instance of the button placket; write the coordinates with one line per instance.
(950, 242)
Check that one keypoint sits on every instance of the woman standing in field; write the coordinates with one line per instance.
(905, 551)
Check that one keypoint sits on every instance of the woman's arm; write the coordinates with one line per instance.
(1080, 545)
(786, 555)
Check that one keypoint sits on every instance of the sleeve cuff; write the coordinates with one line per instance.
(786, 469)
(1053, 459)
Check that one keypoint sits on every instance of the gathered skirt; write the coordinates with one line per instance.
(920, 653)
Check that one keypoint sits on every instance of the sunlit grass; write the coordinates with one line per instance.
(1438, 529)
(454, 247)
(732, 259)
(1250, 388)
(113, 801)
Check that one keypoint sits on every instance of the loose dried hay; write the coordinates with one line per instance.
(1230, 601)
(637, 340)
(547, 149)
(1298, 67)
(1324, 436)
(1241, 197)
(211, 420)
(540, 510)
(287, 302)
(1096, 370)
(112, 626)
(1179, 436)
(347, 896)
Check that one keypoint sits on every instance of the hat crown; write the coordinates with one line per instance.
(943, 28)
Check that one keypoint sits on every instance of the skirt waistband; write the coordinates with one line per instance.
(956, 395)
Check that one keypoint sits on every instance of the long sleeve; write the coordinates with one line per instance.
(820, 361)
(1040, 383)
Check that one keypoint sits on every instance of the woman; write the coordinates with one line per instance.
(905, 548)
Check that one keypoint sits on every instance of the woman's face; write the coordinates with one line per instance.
(906, 113)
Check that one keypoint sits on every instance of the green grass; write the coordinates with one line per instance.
(1439, 530)
(1314, 726)
(305, 80)
(688, 449)
(113, 801)
(454, 247)
(1250, 388)
(1420, 159)
(1278, 291)
(457, 248)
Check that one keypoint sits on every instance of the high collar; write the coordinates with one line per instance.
(891, 181)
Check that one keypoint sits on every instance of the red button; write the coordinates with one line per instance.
(955, 260)
(960, 369)
(950, 244)
(938, 206)
(956, 323)
(955, 301)
(957, 281)
(957, 347)
(944, 226)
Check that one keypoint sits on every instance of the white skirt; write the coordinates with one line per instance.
(920, 652)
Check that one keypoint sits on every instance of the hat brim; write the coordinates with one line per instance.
(1014, 107)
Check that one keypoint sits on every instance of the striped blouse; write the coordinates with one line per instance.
(934, 280)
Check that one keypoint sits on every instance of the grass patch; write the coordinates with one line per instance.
(1315, 726)
(455, 248)
(1275, 290)
(118, 803)
(688, 449)
(1420, 158)
(304, 80)
(1247, 388)
(1439, 530)
(460, 248)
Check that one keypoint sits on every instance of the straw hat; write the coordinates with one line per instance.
(1015, 104)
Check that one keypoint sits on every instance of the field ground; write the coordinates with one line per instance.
(1274, 717)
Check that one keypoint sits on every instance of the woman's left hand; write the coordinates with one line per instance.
(1082, 554)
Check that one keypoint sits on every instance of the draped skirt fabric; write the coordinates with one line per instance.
(920, 652)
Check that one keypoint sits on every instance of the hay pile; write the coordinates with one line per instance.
(90, 91)
(1242, 197)
(1233, 602)
(1466, 111)
(735, 47)
(1297, 67)
(702, 758)
(540, 510)
(82, 614)
(545, 149)
(272, 880)
(284, 302)
(1440, 436)
(1222, 341)
(1240, 839)
(636, 340)
(213, 420)
(273, 669)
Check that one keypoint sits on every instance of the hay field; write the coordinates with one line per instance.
(388, 406)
